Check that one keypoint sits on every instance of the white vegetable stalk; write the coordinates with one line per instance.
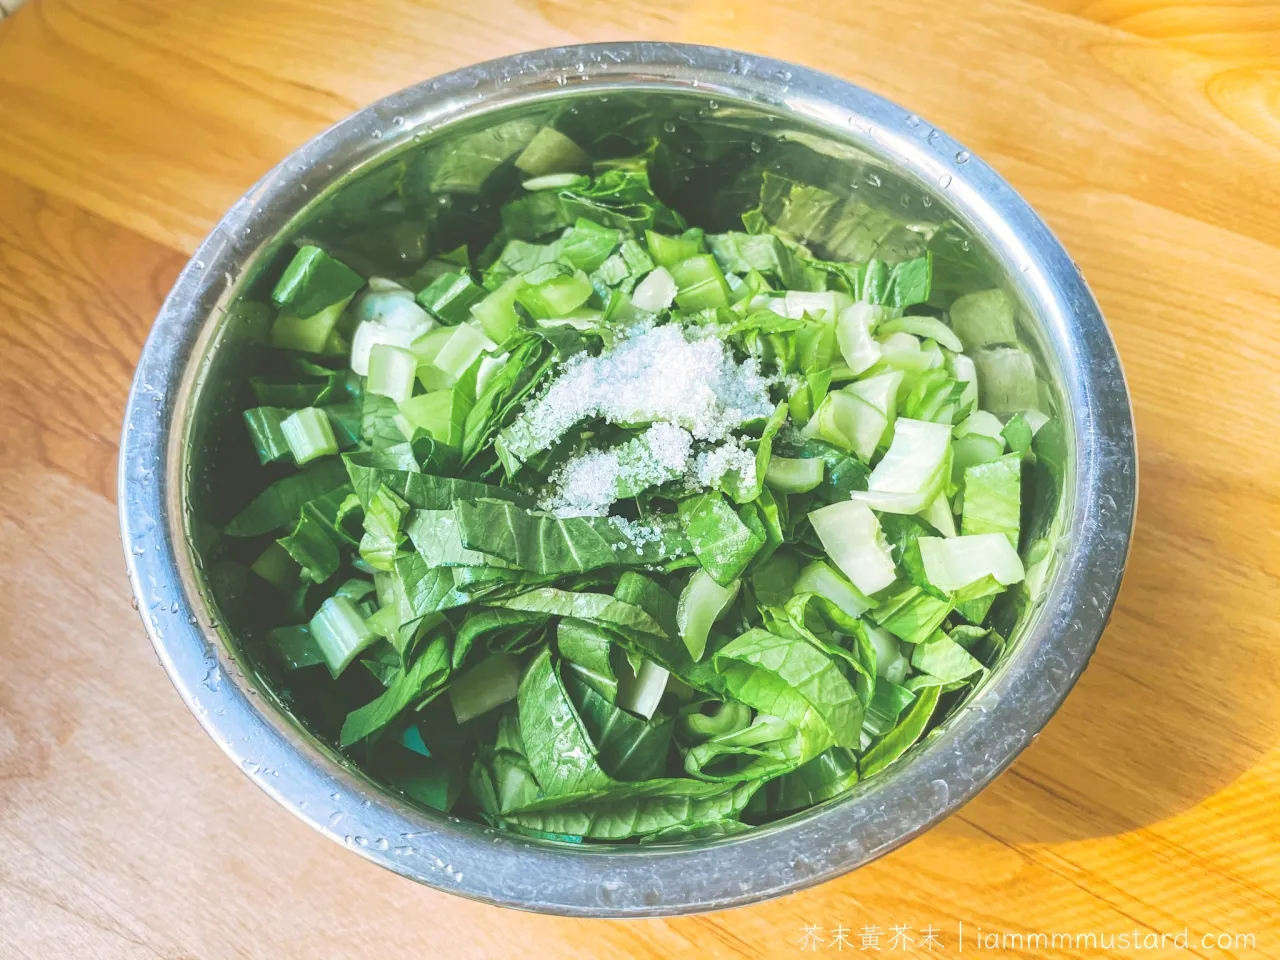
(938, 514)
(984, 318)
(462, 350)
(387, 315)
(911, 472)
(927, 327)
(655, 292)
(982, 423)
(880, 395)
(642, 693)
(819, 578)
(850, 533)
(825, 305)
(961, 367)
(491, 684)
(702, 602)
(955, 562)
(1007, 377)
(854, 329)
(890, 663)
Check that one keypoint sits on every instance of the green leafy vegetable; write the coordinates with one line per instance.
(608, 527)
(723, 543)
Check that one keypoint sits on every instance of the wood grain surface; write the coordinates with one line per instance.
(1147, 132)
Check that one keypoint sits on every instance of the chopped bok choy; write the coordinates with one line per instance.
(603, 526)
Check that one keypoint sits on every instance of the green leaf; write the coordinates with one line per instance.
(703, 830)
(383, 529)
(827, 775)
(887, 704)
(378, 421)
(993, 498)
(437, 536)
(450, 297)
(421, 490)
(942, 657)
(314, 280)
(844, 472)
(296, 646)
(428, 589)
(314, 543)
(645, 593)
(556, 742)
(796, 682)
(596, 607)
(723, 544)
(277, 506)
(1018, 434)
(269, 441)
(766, 748)
(910, 613)
(489, 624)
(627, 747)
(895, 743)
(552, 545)
(526, 367)
(426, 677)
(633, 809)
(586, 648)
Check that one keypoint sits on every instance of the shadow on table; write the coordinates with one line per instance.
(1179, 699)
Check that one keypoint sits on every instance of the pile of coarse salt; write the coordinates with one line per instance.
(689, 390)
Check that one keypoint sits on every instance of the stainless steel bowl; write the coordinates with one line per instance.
(182, 388)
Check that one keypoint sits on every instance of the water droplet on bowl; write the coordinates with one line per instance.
(398, 121)
(962, 156)
(944, 181)
(377, 134)
(913, 120)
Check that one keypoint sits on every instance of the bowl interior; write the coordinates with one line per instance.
(434, 187)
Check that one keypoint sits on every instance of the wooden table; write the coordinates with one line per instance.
(1146, 131)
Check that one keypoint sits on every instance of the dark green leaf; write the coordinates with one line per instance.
(550, 545)
(559, 749)
(632, 809)
(426, 677)
(278, 505)
(627, 747)
(884, 751)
